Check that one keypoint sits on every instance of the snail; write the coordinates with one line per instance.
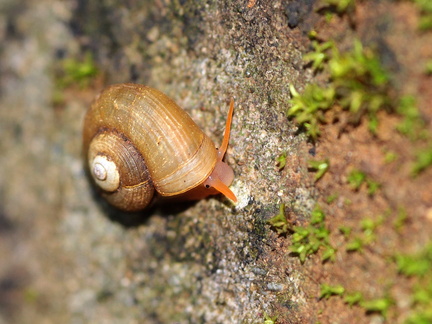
(138, 144)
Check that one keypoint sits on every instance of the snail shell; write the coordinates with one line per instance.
(137, 141)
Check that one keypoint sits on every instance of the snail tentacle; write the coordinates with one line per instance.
(223, 175)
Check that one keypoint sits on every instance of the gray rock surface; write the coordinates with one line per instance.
(68, 258)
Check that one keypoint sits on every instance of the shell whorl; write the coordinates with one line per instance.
(118, 169)
(105, 173)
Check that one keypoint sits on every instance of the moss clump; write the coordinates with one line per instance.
(279, 222)
(73, 72)
(358, 84)
(418, 267)
(412, 125)
(340, 6)
(320, 167)
(307, 240)
(423, 161)
(328, 291)
(357, 178)
(308, 108)
(425, 8)
(281, 161)
(78, 72)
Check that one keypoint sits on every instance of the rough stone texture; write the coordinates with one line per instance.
(69, 258)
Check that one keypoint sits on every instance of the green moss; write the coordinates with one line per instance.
(332, 198)
(401, 219)
(361, 83)
(279, 222)
(327, 291)
(345, 230)
(358, 84)
(340, 6)
(269, 319)
(372, 186)
(418, 267)
(310, 239)
(31, 295)
(423, 161)
(318, 216)
(320, 167)
(390, 157)
(369, 227)
(428, 68)
(319, 57)
(412, 124)
(378, 305)
(281, 161)
(355, 245)
(367, 236)
(308, 108)
(78, 72)
(356, 178)
(420, 318)
(418, 264)
(425, 8)
(353, 298)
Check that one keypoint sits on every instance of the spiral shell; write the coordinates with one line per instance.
(137, 141)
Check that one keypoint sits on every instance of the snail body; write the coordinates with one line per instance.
(139, 142)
